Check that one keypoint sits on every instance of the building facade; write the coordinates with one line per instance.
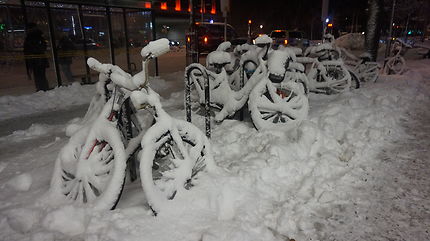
(112, 31)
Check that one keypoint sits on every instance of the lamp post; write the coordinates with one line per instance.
(249, 30)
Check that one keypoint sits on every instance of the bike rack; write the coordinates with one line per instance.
(188, 112)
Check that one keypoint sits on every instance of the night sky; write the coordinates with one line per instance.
(302, 15)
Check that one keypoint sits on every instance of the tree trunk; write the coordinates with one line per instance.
(373, 29)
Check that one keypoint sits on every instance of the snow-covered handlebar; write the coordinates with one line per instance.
(124, 79)
(115, 73)
(155, 48)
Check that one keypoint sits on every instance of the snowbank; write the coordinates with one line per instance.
(42, 101)
(317, 182)
(352, 41)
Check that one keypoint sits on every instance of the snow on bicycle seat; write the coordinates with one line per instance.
(263, 40)
(277, 64)
(224, 46)
(218, 58)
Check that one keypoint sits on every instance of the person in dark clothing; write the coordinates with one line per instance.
(66, 48)
(36, 60)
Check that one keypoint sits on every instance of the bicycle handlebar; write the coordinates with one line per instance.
(155, 48)
(115, 73)
(124, 79)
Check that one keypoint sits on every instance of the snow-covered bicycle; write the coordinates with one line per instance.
(397, 64)
(91, 169)
(326, 72)
(362, 67)
(266, 76)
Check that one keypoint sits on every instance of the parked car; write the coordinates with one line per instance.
(210, 35)
(289, 38)
(90, 44)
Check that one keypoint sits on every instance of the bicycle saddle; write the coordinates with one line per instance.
(277, 64)
(263, 40)
(218, 60)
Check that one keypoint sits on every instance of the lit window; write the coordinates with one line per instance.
(178, 5)
(213, 9)
(163, 6)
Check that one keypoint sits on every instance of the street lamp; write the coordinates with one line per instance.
(249, 30)
(261, 26)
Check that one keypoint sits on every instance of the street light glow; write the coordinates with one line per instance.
(327, 20)
(261, 25)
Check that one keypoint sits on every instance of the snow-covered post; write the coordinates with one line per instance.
(188, 83)
(207, 108)
(188, 97)
(373, 28)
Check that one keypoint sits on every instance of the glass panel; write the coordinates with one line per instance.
(13, 74)
(39, 56)
(172, 28)
(96, 35)
(11, 2)
(68, 35)
(118, 32)
(34, 4)
(139, 28)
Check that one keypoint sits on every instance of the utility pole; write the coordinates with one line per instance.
(249, 31)
(324, 16)
(390, 33)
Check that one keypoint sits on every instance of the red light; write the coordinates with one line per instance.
(163, 6)
(147, 5)
(205, 40)
(213, 9)
(178, 5)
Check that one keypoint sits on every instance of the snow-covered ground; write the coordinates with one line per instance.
(358, 169)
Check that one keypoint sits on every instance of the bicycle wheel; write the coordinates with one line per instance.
(338, 78)
(90, 169)
(396, 65)
(368, 71)
(171, 159)
(355, 81)
(282, 106)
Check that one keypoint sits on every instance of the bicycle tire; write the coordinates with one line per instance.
(271, 109)
(355, 81)
(338, 78)
(90, 169)
(164, 168)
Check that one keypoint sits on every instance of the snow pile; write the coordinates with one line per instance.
(20, 182)
(68, 220)
(22, 219)
(34, 131)
(325, 180)
(3, 165)
(58, 98)
(353, 41)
